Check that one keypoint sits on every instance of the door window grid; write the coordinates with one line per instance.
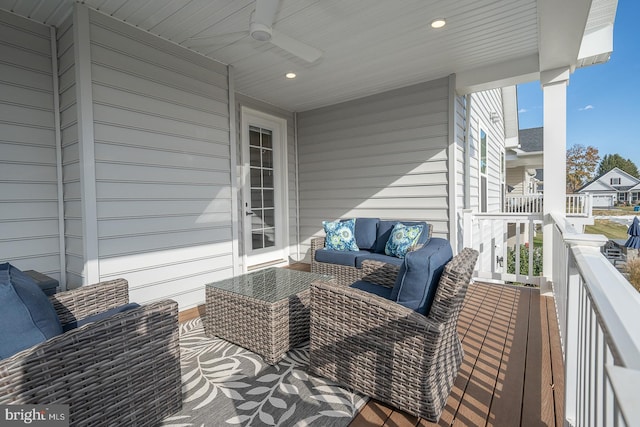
(262, 188)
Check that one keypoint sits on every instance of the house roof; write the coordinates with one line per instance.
(368, 46)
(528, 153)
(607, 185)
(531, 140)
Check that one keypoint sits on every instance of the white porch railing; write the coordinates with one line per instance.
(598, 313)
(579, 205)
(598, 317)
(495, 236)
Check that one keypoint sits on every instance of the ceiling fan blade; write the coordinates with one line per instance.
(297, 48)
(265, 12)
(219, 39)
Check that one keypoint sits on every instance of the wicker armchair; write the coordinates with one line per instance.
(387, 351)
(124, 370)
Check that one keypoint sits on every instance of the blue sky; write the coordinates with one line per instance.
(603, 101)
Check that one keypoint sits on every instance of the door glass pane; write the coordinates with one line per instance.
(254, 154)
(266, 139)
(268, 198)
(267, 158)
(269, 237)
(255, 177)
(256, 199)
(256, 240)
(262, 188)
(267, 178)
(269, 218)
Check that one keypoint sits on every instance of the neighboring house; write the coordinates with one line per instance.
(615, 186)
(524, 163)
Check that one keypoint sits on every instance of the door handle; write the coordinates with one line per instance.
(249, 213)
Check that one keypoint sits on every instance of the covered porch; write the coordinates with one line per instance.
(130, 128)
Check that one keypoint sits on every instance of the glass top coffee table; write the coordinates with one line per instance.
(265, 311)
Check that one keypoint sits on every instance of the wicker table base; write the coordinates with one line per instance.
(266, 311)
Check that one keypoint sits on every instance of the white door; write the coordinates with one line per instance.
(264, 188)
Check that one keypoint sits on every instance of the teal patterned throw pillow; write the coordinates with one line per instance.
(402, 238)
(341, 236)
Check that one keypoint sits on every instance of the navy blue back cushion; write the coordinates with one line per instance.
(100, 316)
(372, 288)
(27, 316)
(366, 229)
(385, 228)
(418, 278)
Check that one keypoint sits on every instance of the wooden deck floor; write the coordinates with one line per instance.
(512, 373)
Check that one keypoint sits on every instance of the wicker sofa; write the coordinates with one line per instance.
(390, 352)
(371, 235)
(123, 370)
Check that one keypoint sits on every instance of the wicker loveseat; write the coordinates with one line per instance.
(387, 351)
(122, 370)
(371, 234)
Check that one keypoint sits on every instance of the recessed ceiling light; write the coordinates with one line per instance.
(290, 75)
(438, 23)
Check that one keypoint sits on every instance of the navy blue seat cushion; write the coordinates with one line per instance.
(372, 288)
(418, 278)
(385, 228)
(347, 258)
(378, 257)
(27, 317)
(100, 316)
(366, 229)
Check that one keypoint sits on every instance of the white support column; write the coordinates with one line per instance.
(554, 86)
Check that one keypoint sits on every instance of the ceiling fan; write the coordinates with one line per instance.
(261, 29)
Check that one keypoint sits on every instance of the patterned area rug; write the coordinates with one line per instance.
(224, 384)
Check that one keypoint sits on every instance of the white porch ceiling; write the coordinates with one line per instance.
(369, 46)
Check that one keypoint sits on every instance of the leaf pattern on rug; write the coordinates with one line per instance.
(224, 384)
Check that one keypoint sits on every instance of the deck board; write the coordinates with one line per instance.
(512, 373)
(557, 365)
(507, 397)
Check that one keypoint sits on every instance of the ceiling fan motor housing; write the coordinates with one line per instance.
(260, 32)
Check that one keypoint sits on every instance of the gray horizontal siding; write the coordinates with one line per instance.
(28, 179)
(162, 164)
(382, 156)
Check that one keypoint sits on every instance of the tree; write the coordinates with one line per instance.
(581, 164)
(610, 161)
